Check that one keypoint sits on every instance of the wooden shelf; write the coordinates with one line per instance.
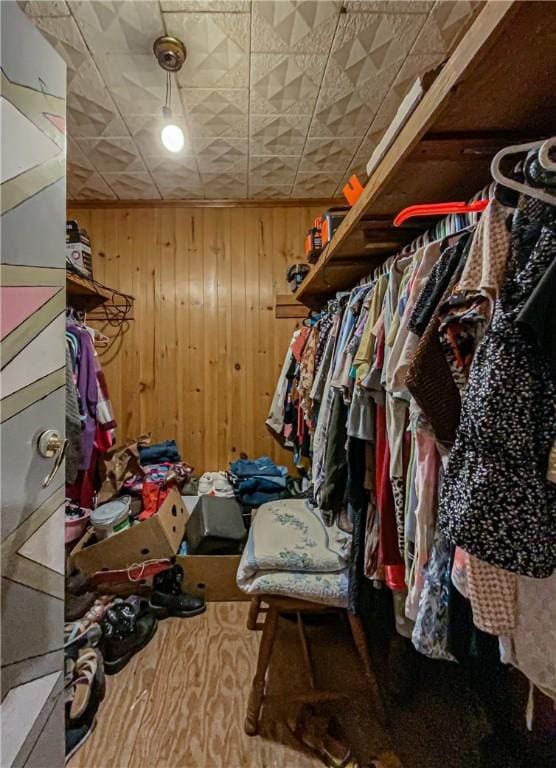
(286, 305)
(494, 90)
(83, 294)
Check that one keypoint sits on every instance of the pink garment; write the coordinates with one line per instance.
(426, 482)
(459, 571)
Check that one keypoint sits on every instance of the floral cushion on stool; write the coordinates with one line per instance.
(290, 552)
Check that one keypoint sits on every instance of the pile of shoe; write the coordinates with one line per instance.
(101, 635)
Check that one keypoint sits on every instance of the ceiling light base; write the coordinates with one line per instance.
(170, 53)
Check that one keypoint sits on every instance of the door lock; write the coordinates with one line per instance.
(50, 446)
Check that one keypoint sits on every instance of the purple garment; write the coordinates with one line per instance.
(88, 392)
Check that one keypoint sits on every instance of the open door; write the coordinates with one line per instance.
(32, 388)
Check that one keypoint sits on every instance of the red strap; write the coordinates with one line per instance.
(129, 574)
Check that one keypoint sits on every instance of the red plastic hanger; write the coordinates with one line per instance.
(439, 209)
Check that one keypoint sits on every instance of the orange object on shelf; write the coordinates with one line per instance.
(313, 241)
(353, 190)
(325, 235)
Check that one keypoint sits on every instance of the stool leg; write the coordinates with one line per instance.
(257, 688)
(253, 613)
(360, 640)
(305, 649)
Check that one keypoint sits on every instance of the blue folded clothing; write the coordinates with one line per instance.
(183, 548)
(264, 484)
(159, 452)
(261, 466)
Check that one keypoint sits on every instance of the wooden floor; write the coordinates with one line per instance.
(180, 703)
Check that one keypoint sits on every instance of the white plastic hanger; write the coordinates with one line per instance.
(525, 189)
(544, 155)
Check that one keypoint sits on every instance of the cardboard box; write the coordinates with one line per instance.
(159, 536)
(212, 577)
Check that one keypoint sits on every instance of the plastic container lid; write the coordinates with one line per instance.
(112, 513)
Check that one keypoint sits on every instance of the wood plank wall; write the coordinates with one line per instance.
(200, 360)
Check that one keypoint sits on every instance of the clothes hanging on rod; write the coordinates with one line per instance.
(429, 421)
(89, 402)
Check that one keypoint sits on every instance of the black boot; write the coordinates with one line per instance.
(167, 598)
(127, 626)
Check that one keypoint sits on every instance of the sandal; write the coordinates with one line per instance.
(85, 671)
(98, 609)
(313, 732)
(82, 632)
(89, 678)
(88, 627)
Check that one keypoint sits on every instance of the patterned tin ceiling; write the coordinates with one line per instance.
(278, 99)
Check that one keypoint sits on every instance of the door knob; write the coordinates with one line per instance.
(51, 445)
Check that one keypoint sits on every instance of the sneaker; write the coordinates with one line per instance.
(167, 598)
(128, 626)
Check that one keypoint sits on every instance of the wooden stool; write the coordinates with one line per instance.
(276, 606)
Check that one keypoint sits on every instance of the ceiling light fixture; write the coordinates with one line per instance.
(170, 54)
(172, 137)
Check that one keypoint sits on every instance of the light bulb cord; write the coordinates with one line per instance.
(168, 91)
(167, 108)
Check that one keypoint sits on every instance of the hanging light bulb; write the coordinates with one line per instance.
(172, 137)
(170, 54)
(171, 134)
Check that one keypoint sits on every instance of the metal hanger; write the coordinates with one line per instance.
(509, 183)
